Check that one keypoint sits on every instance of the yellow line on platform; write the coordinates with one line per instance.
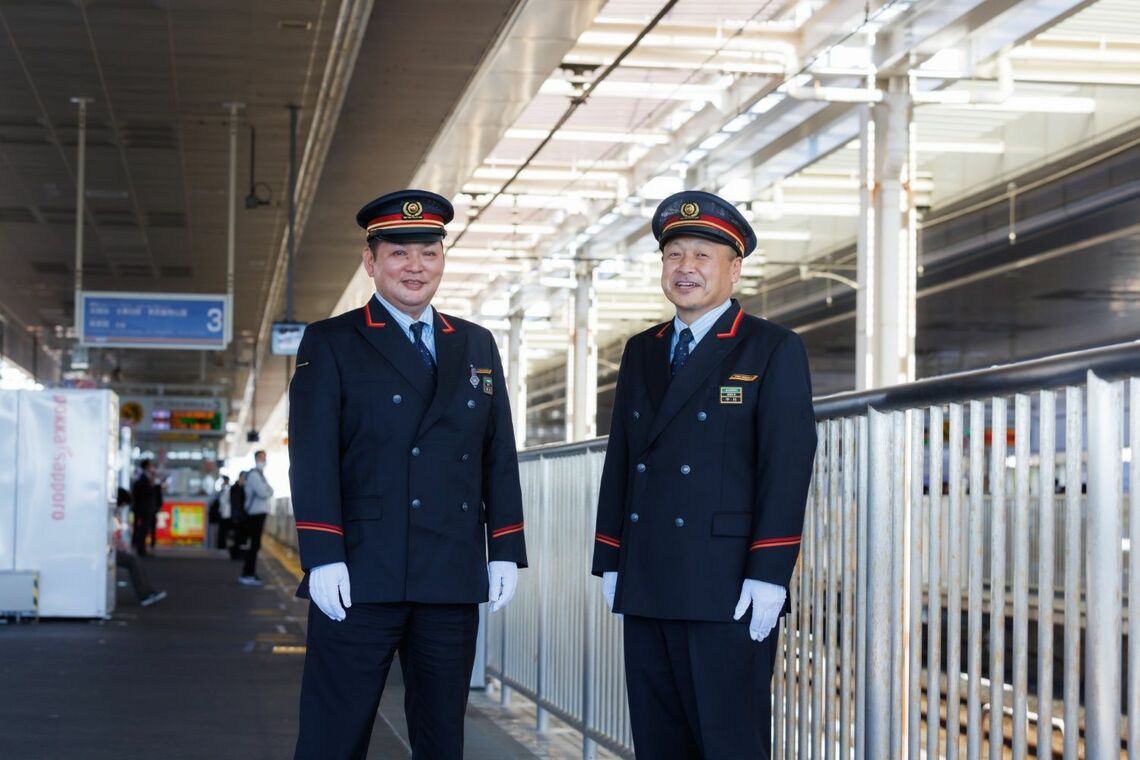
(283, 554)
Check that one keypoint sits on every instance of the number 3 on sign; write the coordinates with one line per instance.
(214, 320)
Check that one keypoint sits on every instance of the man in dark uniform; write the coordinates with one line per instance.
(703, 495)
(404, 480)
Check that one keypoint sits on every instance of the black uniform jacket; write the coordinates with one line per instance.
(412, 485)
(706, 475)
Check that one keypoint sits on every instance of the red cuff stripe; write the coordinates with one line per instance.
(600, 538)
(323, 527)
(769, 543)
(516, 528)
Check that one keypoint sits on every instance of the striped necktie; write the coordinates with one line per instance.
(417, 331)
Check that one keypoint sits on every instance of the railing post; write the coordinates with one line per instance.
(589, 623)
(541, 714)
(1103, 558)
(877, 731)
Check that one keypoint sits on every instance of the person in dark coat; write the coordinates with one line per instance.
(703, 494)
(238, 516)
(145, 493)
(405, 482)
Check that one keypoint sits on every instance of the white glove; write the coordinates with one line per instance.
(767, 600)
(504, 579)
(328, 587)
(609, 586)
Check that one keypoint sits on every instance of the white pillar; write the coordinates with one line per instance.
(516, 371)
(584, 411)
(864, 260)
(887, 253)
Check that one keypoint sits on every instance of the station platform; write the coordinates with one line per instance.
(212, 671)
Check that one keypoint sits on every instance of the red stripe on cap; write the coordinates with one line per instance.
(706, 221)
(735, 324)
(434, 218)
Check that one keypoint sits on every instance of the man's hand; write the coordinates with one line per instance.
(328, 587)
(609, 587)
(767, 600)
(504, 579)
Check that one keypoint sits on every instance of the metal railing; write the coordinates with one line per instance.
(898, 471)
(1030, 578)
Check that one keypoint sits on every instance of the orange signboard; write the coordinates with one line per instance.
(182, 523)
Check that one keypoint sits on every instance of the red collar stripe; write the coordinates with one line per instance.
(427, 221)
(368, 317)
(771, 543)
(735, 324)
(447, 328)
(664, 329)
(711, 222)
(320, 527)
(508, 530)
(603, 539)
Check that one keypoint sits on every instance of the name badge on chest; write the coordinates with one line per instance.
(731, 394)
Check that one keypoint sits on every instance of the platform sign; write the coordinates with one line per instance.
(155, 320)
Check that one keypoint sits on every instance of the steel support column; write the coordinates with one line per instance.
(80, 197)
(516, 370)
(582, 416)
(886, 243)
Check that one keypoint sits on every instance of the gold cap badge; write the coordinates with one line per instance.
(690, 210)
(413, 210)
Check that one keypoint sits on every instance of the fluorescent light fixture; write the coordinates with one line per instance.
(495, 308)
(539, 310)
(590, 135)
(737, 190)
(693, 156)
(557, 282)
(765, 104)
(1031, 104)
(988, 147)
(774, 210)
(490, 172)
(713, 141)
(636, 90)
(792, 236)
(739, 123)
(661, 187)
(507, 229)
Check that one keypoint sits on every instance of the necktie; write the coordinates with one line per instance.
(681, 352)
(429, 360)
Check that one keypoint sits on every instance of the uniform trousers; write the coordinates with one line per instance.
(347, 664)
(698, 689)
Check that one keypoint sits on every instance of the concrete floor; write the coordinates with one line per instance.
(213, 671)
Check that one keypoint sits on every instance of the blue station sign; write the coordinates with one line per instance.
(154, 320)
